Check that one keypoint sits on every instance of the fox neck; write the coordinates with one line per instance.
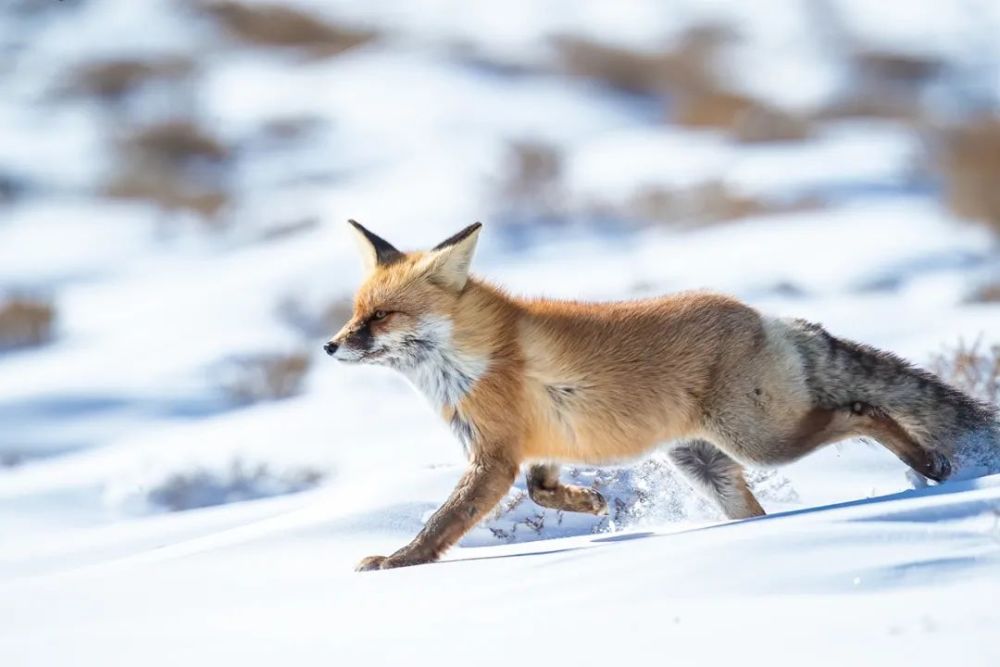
(442, 371)
(457, 351)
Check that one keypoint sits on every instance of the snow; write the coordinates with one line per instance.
(904, 579)
(123, 415)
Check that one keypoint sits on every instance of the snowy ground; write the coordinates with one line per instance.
(125, 416)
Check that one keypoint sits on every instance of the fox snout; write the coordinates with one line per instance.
(354, 342)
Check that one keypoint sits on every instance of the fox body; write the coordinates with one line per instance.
(536, 383)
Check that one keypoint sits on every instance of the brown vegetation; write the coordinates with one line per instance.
(176, 165)
(705, 203)
(883, 84)
(763, 123)
(973, 368)
(202, 487)
(265, 377)
(112, 79)
(988, 293)
(275, 25)
(686, 66)
(25, 322)
(531, 187)
(686, 74)
(968, 159)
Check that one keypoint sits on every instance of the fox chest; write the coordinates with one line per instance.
(445, 383)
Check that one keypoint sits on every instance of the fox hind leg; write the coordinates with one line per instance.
(717, 476)
(546, 490)
(878, 425)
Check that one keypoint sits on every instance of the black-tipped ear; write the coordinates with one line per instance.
(449, 261)
(375, 249)
(458, 238)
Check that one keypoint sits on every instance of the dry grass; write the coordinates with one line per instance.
(686, 74)
(291, 128)
(176, 165)
(111, 80)
(760, 123)
(279, 26)
(704, 203)
(968, 160)
(973, 368)
(885, 85)
(710, 108)
(531, 188)
(896, 69)
(988, 293)
(686, 66)
(742, 117)
(264, 377)
(200, 487)
(177, 142)
(25, 322)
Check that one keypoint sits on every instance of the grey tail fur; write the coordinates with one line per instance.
(841, 372)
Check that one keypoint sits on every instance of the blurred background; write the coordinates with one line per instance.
(175, 176)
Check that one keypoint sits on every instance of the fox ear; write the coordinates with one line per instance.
(449, 260)
(374, 249)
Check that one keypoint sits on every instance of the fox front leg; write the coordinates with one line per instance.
(480, 489)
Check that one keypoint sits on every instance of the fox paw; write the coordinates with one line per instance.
(390, 562)
(935, 466)
(598, 505)
(939, 467)
(370, 563)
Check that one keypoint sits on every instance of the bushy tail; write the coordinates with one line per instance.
(935, 414)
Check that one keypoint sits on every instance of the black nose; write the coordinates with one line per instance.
(331, 348)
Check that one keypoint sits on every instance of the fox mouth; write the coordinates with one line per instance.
(369, 357)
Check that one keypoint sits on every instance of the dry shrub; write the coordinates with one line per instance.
(710, 108)
(687, 66)
(623, 69)
(111, 80)
(200, 487)
(176, 165)
(168, 193)
(531, 187)
(974, 368)
(291, 128)
(285, 230)
(25, 322)
(744, 118)
(988, 293)
(704, 203)
(968, 159)
(900, 70)
(685, 73)
(274, 25)
(764, 123)
(884, 84)
(264, 377)
(178, 142)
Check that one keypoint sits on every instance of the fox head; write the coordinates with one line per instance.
(402, 311)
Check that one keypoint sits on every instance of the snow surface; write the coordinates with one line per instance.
(122, 416)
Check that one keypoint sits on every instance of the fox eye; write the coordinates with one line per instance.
(379, 315)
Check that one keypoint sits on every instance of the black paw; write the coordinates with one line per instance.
(938, 466)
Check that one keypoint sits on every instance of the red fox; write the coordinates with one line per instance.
(539, 382)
